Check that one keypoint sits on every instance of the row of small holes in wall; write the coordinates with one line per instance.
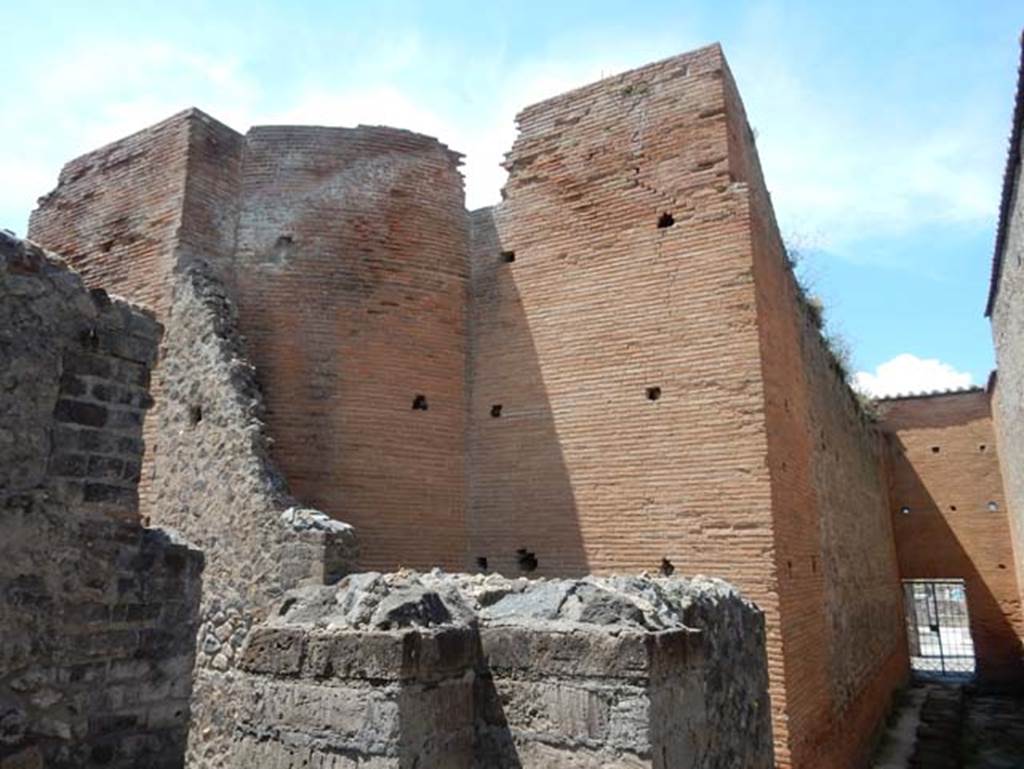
(527, 561)
(653, 393)
(664, 221)
(981, 448)
(992, 506)
(814, 566)
(419, 403)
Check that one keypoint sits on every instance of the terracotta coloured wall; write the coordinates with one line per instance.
(760, 469)
(946, 470)
(842, 633)
(351, 282)
(582, 468)
(347, 253)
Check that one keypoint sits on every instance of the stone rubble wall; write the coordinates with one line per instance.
(405, 670)
(215, 483)
(1007, 316)
(97, 613)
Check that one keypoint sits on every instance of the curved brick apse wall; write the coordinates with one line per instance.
(351, 274)
(346, 253)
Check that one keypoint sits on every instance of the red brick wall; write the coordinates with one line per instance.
(842, 636)
(115, 211)
(347, 252)
(115, 216)
(759, 470)
(351, 274)
(949, 531)
(581, 467)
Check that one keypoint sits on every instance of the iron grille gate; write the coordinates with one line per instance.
(938, 626)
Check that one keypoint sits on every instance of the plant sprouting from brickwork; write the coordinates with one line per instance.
(836, 344)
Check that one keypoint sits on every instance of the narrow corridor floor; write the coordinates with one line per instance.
(939, 725)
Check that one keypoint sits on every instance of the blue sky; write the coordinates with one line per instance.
(882, 127)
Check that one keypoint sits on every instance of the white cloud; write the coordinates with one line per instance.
(907, 374)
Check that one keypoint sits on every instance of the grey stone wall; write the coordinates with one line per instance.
(1008, 401)
(97, 613)
(407, 670)
(216, 484)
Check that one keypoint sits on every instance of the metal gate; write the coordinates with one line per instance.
(938, 626)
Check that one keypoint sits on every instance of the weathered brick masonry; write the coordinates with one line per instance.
(842, 633)
(610, 371)
(664, 395)
(114, 217)
(97, 613)
(352, 242)
(945, 469)
(346, 252)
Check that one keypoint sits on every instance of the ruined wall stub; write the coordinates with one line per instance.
(97, 614)
(215, 481)
(404, 670)
(945, 472)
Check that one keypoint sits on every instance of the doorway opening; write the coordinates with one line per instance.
(938, 627)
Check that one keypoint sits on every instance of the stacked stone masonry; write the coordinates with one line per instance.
(612, 371)
(97, 613)
(1006, 312)
(411, 670)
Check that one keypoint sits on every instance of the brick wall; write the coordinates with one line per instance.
(945, 468)
(623, 355)
(97, 614)
(346, 252)
(751, 452)
(351, 286)
(115, 216)
(841, 620)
